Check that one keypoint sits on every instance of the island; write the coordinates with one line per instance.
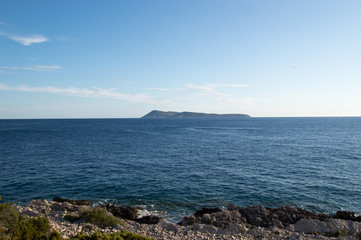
(170, 114)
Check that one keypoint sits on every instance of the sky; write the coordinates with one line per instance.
(122, 59)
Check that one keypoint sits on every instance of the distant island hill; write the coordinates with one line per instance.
(162, 114)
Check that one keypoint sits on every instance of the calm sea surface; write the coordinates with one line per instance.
(175, 166)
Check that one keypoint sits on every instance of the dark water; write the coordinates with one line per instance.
(175, 166)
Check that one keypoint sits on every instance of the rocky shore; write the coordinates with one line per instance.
(253, 222)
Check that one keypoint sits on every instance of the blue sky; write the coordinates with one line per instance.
(79, 59)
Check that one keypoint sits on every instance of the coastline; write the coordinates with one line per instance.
(253, 222)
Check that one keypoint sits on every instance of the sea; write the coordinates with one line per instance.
(172, 167)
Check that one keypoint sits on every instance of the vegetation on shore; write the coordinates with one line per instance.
(18, 227)
(15, 226)
(123, 235)
(100, 217)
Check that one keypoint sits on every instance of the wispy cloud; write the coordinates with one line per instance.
(160, 89)
(26, 40)
(81, 92)
(3, 23)
(45, 68)
(210, 89)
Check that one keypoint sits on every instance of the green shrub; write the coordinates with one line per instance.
(71, 218)
(55, 235)
(18, 227)
(123, 235)
(133, 236)
(99, 216)
(338, 233)
(14, 226)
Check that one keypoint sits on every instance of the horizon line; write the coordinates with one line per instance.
(84, 118)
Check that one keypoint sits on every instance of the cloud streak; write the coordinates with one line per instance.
(36, 68)
(81, 92)
(160, 89)
(26, 40)
(210, 89)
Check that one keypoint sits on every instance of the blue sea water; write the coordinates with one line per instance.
(176, 166)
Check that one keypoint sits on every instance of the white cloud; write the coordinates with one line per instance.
(210, 89)
(81, 92)
(3, 23)
(160, 89)
(27, 41)
(36, 68)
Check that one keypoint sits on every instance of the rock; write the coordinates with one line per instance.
(280, 217)
(257, 231)
(41, 206)
(223, 219)
(27, 211)
(72, 217)
(186, 221)
(257, 215)
(203, 211)
(346, 215)
(332, 226)
(233, 223)
(75, 202)
(204, 228)
(232, 207)
(125, 212)
(149, 220)
(169, 226)
(62, 206)
(233, 229)
(216, 217)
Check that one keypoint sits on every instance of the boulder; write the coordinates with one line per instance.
(149, 220)
(281, 217)
(215, 217)
(186, 221)
(75, 202)
(39, 206)
(62, 206)
(166, 226)
(257, 215)
(223, 219)
(204, 228)
(125, 212)
(203, 211)
(330, 227)
(346, 215)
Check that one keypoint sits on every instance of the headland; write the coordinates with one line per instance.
(170, 114)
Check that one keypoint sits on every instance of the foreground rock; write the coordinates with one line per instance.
(254, 215)
(254, 222)
(75, 202)
(347, 216)
(125, 212)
